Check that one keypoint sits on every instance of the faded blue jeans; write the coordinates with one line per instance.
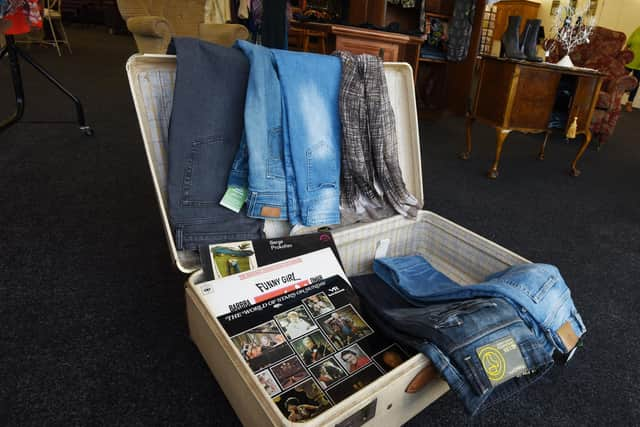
(289, 158)
(259, 161)
(310, 88)
(538, 291)
(458, 338)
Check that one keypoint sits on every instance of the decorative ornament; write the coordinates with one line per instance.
(571, 27)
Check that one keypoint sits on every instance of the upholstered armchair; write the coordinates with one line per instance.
(154, 22)
(605, 52)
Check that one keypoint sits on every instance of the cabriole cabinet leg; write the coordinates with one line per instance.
(574, 166)
(501, 135)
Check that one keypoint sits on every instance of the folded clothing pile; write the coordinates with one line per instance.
(487, 340)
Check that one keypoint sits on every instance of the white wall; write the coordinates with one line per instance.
(620, 15)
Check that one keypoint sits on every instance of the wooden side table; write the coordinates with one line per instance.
(520, 96)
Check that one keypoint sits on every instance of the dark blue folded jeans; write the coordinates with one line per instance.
(204, 134)
(538, 291)
(480, 346)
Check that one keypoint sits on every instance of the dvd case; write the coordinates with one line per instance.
(225, 259)
(242, 290)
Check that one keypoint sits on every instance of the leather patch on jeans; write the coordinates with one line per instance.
(270, 211)
(421, 379)
(567, 335)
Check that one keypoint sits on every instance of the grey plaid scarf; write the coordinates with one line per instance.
(371, 172)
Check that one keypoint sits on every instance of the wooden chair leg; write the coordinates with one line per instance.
(465, 155)
(544, 146)
(64, 36)
(53, 34)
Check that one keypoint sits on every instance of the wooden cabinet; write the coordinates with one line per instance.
(504, 9)
(392, 47)
(369, 43)
(521, 96)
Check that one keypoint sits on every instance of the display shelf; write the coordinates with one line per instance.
(488, 26)
(433, 60)
(438, 15)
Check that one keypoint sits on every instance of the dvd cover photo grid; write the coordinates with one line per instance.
(311, 348)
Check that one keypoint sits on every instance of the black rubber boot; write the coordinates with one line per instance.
(529, 40)
(510, 39)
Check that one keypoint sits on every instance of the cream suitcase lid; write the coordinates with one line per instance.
(152, 79)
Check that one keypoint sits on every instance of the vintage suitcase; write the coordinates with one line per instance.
(454, 250)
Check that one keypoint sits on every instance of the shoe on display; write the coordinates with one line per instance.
(529, 40)
(510, 39)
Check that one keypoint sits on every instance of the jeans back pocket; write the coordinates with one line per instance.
(536, 290)
(200, 185)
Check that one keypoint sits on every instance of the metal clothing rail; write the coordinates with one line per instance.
(14, 52)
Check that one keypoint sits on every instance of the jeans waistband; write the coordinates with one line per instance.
(191, 237)
(267, 205)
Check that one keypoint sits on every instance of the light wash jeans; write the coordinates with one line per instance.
(259, 162)
(290, 156)
(310, 88)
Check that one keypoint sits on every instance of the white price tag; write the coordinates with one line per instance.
(382, 247)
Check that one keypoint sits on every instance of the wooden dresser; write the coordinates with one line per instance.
(521, 96)
(392, 47)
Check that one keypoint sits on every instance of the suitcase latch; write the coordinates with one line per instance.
(360, 417)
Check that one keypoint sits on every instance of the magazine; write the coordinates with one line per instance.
(226, 259)
(242, 290)
(311, 348)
